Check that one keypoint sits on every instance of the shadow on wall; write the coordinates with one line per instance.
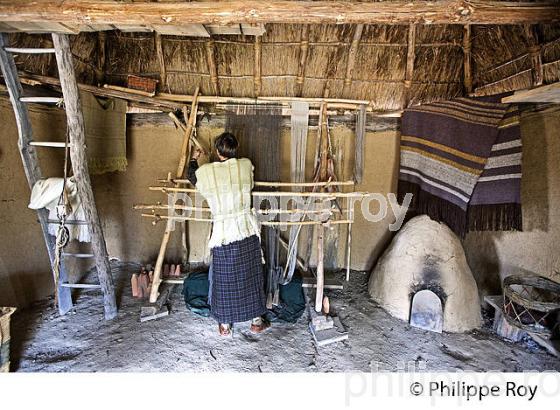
(386, 236)
(534, 185)
(23, 287)
(483, 259)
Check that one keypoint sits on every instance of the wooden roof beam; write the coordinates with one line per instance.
(409, 70)
(161, 60)
(534, 50)
(544, 94)
(303, 49)
(352, 57)
(212, 68)
(278, 11)
(258, 67)
(467, 60)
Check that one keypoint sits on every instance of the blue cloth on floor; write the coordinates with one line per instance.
(291, 307)
(292, 302)
(195, 291)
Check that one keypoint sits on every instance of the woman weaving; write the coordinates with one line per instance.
(236, 274)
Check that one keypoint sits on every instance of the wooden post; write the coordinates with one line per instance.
(352, 57)
(101, 56)
(467, 67)
(534, 50)
(191, 123)
(303, 48)
(258, 66)
(213, 70)
(161, 60)
(410, 55)
(31, 166)
(320, 268)
(76, 129)
(323, 171)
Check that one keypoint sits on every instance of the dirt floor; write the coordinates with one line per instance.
(43, 341)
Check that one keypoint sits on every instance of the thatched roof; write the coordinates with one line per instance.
(501, 61)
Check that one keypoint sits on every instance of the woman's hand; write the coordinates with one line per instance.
(196, 154)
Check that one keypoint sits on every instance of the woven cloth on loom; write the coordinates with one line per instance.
(257, 128)
(105, 124)
(445, 148)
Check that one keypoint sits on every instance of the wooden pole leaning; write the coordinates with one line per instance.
(156, 282)
(76, 129)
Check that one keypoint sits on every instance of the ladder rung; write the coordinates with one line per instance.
(29, 50)
(56, 221)
(78, 255)
(80, 285)
(48, 144)
(51, 100)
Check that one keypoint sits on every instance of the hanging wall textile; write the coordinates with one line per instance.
(445, 147)
(105, 123)
(496, 201)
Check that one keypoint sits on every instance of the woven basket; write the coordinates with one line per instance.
(5, 313)
(142, 83)
(531, 303)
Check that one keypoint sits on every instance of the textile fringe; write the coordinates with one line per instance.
(108, 164)
(496, 217)
(436, 208)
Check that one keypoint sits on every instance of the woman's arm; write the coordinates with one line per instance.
(191, 171)
(193, 166)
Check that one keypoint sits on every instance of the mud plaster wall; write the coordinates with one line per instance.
(492, 256)
(152, 151)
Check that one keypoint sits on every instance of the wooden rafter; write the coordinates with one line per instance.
(161, 61)
(278, 11)
(303, 49)
(535, 53)
(410, 55)
(467, 66)
(212, 68)
(544, 94)
(352, 57)
(101, 56)
(258, 66)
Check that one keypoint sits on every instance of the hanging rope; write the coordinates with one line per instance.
(62, 211)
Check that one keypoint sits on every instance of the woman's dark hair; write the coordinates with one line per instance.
(226, 144)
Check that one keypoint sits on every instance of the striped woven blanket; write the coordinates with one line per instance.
(461, 160)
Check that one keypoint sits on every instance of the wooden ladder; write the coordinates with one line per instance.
(76, 130)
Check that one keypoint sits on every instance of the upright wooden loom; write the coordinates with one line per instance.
(321, 183)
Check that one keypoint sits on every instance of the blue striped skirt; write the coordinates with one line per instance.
(237, 292)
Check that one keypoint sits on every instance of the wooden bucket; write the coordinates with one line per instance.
(5, 313)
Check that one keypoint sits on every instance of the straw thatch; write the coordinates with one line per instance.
(500, 61)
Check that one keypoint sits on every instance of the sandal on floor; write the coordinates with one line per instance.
(224, 330)
(258, 328)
